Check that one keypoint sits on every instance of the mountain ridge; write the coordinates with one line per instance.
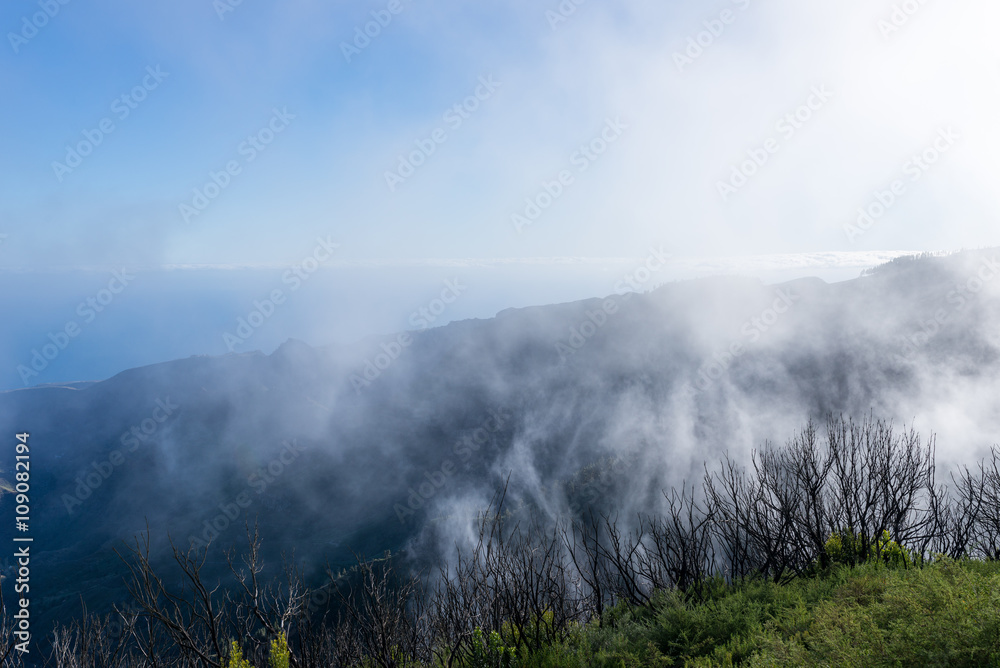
(580, 382)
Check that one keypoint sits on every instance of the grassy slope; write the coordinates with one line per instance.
(945, 614)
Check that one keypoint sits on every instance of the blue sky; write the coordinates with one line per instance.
(668, 121)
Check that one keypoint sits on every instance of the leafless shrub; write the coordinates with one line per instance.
(679, 552)
(529, 578)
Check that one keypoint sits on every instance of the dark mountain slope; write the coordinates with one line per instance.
(358, 447)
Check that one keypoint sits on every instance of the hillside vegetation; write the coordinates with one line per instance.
(835, 550)
(946, 613)
(674, 376)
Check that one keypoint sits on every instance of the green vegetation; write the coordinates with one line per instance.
(841, 551)
(490, 652)
(946, 613)
(847, 548)
(236, 659)
(882, 612)
(279, 656)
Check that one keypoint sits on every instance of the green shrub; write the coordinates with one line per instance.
(536, 633)
(946, 613)
(848, 548)
(490, 652)
(280, 656)
(236, 659)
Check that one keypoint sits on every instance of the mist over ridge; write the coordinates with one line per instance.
(381, 444)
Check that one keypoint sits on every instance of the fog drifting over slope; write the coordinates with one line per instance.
(398, 440)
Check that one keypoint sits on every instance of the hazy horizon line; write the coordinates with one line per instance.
(770, 261)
